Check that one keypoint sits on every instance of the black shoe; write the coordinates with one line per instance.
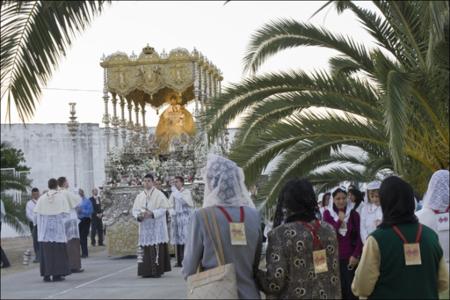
(84, 256)
(47, 279)
(35, 260)
(177, 266)
(77, 271)
(58, 278)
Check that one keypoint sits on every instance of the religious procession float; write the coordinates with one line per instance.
(178, 147)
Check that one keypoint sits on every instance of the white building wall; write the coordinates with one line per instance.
(48, 150)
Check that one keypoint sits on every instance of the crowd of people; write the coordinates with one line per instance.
(349, 244)
(60, 220)
(344, 244)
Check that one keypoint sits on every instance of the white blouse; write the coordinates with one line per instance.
(371, 217)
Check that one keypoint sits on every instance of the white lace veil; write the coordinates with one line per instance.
(224, 183)
(373, 185)
(348, 208)
(437, 195)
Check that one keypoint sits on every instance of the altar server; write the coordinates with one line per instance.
(71, 226)
(52, 211)
(32, 222)
(150, 208)
(181, 200)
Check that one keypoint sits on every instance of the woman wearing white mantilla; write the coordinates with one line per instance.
(371, 214)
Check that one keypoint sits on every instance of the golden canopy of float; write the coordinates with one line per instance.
(150, 77)
(156, 79)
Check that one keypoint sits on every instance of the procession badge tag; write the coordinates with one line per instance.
(237, 234)
(320, 261)
(443, 222)
(319, 256)
(411, 250)
(237, 229)
(412, 254)
(343, 229)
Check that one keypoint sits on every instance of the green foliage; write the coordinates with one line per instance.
(14, 210)
(389, 103)
(15, 215)
(12, 158)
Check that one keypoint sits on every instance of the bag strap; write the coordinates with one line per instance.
(209, 231)
(219, 239)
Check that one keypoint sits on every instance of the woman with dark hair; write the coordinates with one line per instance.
(302, 257)
(402, 258)
(357, 198)
(346, 222)
(324, 203)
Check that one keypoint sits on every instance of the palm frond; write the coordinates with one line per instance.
(301, 129)
(333, 176)
(284, 34)
(298, 161)
(343, 66)
(405, 18)
(276, 108)
(239, 97)
(15, 214)
(14, 183)
(35, 36)
(396, 114)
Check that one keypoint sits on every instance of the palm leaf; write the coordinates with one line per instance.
(15, 214)
(239, 97)
(35, 36)
(301, 129)
(404, 18)
(18, 183)
(284, 34)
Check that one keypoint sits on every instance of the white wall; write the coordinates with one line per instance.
(48, 150)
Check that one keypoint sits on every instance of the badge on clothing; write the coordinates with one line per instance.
(412, 254)
(442, 224)
(237, 234)
(343, 230)
(320, 261)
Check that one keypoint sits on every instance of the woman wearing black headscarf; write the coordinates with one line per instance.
(402, 258)
(297, 237)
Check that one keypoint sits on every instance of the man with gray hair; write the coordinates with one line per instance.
(96, 220)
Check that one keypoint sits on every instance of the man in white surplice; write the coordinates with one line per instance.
(181, 200)
(72, 231)
(150, 209)
(52, 211)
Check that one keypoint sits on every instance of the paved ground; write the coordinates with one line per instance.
(103, 278)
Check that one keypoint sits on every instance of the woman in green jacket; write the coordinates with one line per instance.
(401, 258)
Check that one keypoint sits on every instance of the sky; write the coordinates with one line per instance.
(221, 32)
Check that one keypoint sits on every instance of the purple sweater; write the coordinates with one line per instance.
(345, 245)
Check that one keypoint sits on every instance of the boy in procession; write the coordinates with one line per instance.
(150, 208)
(183, 206)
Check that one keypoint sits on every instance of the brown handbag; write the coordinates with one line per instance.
(216, 283)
